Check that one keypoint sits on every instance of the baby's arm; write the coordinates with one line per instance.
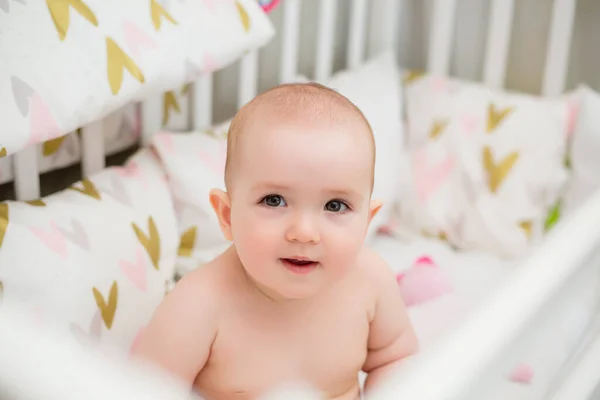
(391, 336)
(180, 334)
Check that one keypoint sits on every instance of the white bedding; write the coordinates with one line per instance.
(462, 281)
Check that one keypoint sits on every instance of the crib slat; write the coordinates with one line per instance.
(383, 22)
(248, 78)
(325, 39)
(92, 148)
(290, 34)
(357, 33)
(27, 180)
(441, 34)
(202, 92)
(496, 57)
(151, 118)
(559, 45)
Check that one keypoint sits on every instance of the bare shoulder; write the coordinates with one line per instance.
(180, 334)
(374, 268)
(204, 283)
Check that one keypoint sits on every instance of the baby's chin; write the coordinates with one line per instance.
(287, 293)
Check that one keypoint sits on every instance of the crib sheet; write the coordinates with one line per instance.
(443, 286)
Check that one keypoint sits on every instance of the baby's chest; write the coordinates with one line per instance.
(327, 352)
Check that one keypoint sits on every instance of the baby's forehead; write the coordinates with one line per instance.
(314, 111)
(310, 106)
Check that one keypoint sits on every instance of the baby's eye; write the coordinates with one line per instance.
(336, 206)
(274, 200)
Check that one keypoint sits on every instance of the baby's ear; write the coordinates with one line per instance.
(374, 208)
(221, 204)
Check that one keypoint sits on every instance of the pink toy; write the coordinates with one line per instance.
(268, 5)
(423, 282)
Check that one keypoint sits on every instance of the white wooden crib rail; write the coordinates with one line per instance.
(460, 367)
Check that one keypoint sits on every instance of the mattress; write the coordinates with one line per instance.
(442, 287)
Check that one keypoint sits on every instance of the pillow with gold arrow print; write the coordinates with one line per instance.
(121, 130)
(75, 61)
(95, 258)
(195, 164)
(509, 147)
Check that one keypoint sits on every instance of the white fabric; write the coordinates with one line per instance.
(95, 264)
(585, 148)
(473, 277)
(195, 162)
(121, 131)
(45, 364)
(462, 135)
(68, 63)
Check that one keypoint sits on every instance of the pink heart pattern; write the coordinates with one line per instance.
(136, 271)
(131, 169)
(572, 111)
(210, 63)
(137, 39)
(216, 162)
(469, 124)
(210, 4)
(428, 178)
(522, 373)
(165, 140)
(440, 84)
(53, 239)
(42, 125)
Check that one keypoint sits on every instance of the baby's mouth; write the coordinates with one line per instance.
(299, 265)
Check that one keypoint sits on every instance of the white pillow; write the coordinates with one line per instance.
(93, 260)
(488, 165)
(195, 162)
(68, 63)
(585, 148)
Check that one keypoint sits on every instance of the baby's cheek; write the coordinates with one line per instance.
(255, 236)
(344, 245)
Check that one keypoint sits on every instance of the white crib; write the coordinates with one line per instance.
(502, 324)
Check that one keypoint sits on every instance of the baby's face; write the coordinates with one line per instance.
(300, 206)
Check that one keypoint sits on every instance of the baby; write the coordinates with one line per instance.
(297, 297)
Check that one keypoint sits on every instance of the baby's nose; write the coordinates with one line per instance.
(303, 228)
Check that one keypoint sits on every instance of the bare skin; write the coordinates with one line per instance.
(248, 343)
(297, 297)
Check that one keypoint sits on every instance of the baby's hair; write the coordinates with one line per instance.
(313, 101)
